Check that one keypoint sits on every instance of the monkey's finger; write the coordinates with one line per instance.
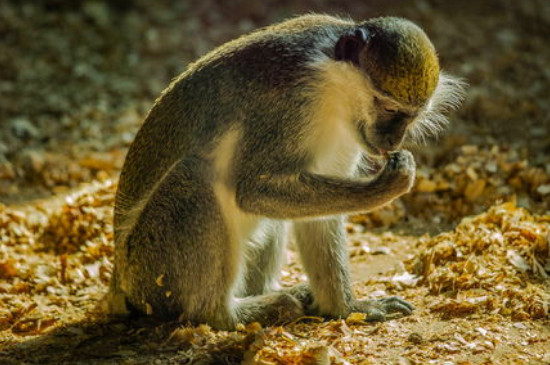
(396, 304)
(375, 314)
(396, 299)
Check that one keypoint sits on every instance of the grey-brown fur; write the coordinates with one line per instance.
(178, 253)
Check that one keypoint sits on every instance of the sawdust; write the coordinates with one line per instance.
(468, 247)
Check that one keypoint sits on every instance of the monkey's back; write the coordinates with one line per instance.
(237, 82)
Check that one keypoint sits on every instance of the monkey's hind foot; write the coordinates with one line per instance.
(378, 310)
(303, 293)
(269, 309)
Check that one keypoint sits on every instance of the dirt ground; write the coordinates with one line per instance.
(469, 247)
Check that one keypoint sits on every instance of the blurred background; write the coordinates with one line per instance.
(78, 77)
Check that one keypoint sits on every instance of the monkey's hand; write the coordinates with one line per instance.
(378, 310)
(399, 172)
(308, 195)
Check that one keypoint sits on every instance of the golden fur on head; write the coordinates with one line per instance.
(401, 60)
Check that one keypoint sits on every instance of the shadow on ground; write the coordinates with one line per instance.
(112, 342)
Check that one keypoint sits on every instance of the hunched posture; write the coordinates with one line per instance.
(291, 126)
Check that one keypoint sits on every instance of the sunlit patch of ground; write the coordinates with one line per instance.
(481, 291)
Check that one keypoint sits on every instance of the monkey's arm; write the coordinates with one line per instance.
(367, 167)
(323, 250)
(307, 195)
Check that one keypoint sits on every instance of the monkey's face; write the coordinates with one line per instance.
(393, 126)
(409, 91)
(388, 127)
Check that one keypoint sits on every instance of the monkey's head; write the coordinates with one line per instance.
(410, 93)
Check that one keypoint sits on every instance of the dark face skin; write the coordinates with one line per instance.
(387, 132)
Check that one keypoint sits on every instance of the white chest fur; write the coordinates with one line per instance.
(240, 224)
(342, 95)
(336, 153)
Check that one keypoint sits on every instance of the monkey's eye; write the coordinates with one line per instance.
(391, 109)
(386, 107)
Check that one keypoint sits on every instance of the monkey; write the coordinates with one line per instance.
(279, 133)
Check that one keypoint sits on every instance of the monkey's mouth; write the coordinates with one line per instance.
(376, 157)
(371, 149)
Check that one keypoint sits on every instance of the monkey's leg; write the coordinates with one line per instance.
(321, 244)
(264, 256)
(182, 261)
(178, 259)
(323, 249)
(256, 299)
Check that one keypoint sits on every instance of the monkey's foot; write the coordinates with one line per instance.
(378, 310)
(302, 292)
(269, 309)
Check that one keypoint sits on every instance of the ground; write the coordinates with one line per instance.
(469, 246)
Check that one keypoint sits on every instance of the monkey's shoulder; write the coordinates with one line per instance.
(279, 47)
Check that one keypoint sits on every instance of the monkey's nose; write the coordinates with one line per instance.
(391, 142)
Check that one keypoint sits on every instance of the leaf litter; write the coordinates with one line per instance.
(56, 263)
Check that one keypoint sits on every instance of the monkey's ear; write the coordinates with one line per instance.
(350, 45)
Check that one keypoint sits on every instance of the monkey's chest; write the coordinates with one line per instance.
(335, 154)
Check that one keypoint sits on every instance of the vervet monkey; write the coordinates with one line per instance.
(290, 127)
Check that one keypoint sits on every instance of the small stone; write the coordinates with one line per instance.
(415, 338)
(426, 186)
(474, 190)
(544, 189)
(520, 325)
(33, 161)
(23, 128)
